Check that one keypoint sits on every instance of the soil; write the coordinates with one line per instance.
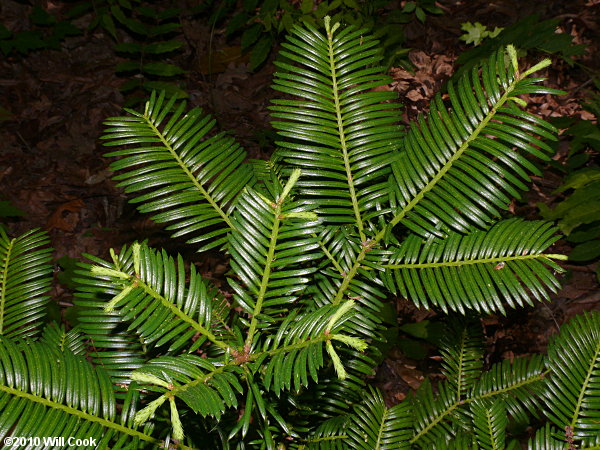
(53, 102)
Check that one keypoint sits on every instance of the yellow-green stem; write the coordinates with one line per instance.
(79, 414)
(189, 174)
(415, 201)
(342, 133)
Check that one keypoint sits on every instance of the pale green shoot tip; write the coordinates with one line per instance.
(136, 257)
(343, 309)
(512, 53)
(176, 421)
(328, 28)
(557, 256)
(302, 215)
(518, 101)
(351, 341)
(110, 306)
(294, 177)
(539, 66)
(105, 271)
(149, 379)
(337, 362)
(143, 415)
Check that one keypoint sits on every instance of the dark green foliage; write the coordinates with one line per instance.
(45, 32)
(260, 24)
(146, 36)
(578, 211)
(565, 387)
(25, 278)
(149, 66)
(349, 206)
(196, 182)
(572, 395)
(528, 34)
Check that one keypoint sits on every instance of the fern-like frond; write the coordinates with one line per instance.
(72, 340)
(342, 245)
(111, 345)
(489, 423)
(330, 435)
(25, 278)
(518, 383)
(63, 395)
(207, 388)
(342, 133)
(480, 270)
(547, 438)
(272, 241)
(460, 166)
(162, 302)
(376, 427)
(462, 355)
(333, 397)
(181, 176)
(296, 351)
(432, 414)
(572, 394)
(454, 441)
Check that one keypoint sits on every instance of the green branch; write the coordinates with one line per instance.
(342, 133)
(496, 260)
(188, 172)
(584, 386)
(183, 316)
(264, 284)
(459, 402)
(137, 283)
(421, 194)
(79, 414)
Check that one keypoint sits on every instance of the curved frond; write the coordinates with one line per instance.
(359, 283)
(296, 351)
(572, 394)
(515, 384)
(330, 435)
(518, 383)
(460, 166)
(207, 388)
(547, 438)
(63, 395)
(332, 396)
(25, 279)
(163, 303)
(273, 240)
(432, 414)
(72, 340)
(341, 132)
(462, 356)
(490, 422)
(181, 176)
(478, 271)
(375, 427)
(111, 345)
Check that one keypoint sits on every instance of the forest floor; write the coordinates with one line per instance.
(51, 164)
